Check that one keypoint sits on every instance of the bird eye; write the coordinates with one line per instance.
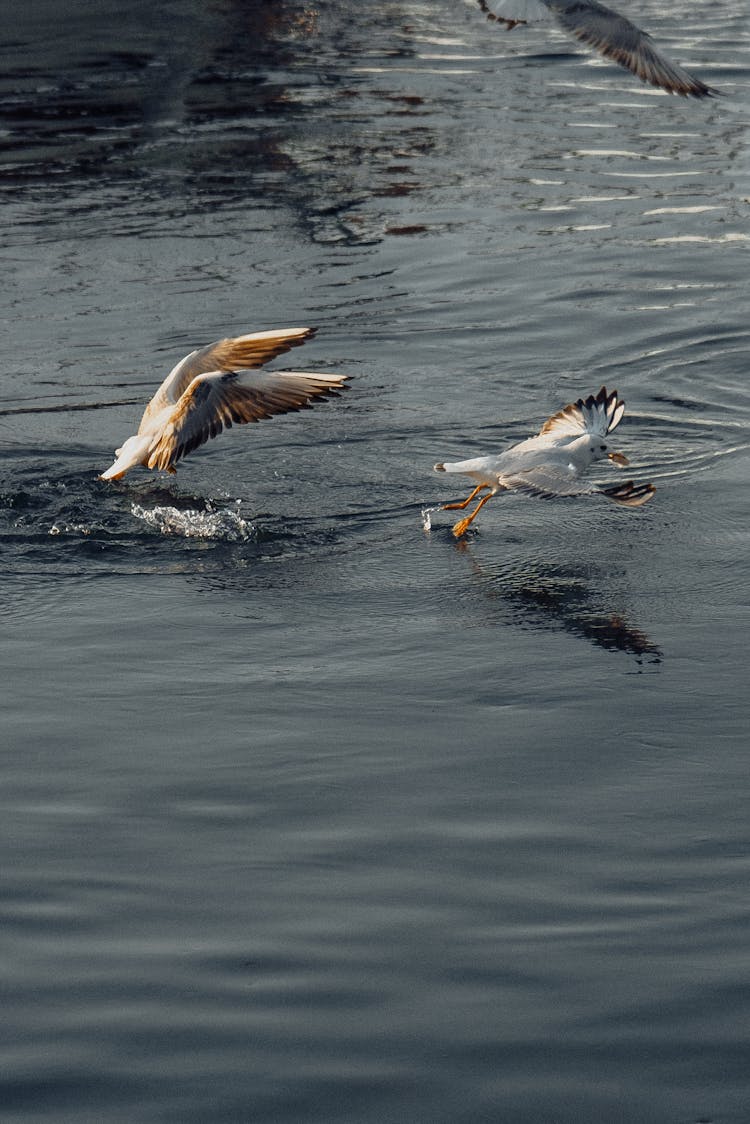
(603, 448)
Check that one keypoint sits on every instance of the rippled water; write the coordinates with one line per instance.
(307, 814)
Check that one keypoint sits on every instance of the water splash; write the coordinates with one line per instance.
(426, 516)
(64, 528)
(224, 524)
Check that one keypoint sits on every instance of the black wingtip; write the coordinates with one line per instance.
(629, 494)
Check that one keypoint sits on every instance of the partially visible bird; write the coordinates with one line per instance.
(206, 393)
(607, 32)
(552, 462)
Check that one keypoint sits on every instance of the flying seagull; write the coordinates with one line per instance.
(206, 393)
(551, 463)
(607, 32)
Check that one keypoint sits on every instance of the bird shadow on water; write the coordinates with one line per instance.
(541, 595)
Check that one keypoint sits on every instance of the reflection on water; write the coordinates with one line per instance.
(553, 597)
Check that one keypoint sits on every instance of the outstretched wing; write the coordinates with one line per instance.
(232, 354)
(546, 480)
(618, 39)
(220, 399)
(550, 481)
(609, 33)
(629, 494)
(597, 415)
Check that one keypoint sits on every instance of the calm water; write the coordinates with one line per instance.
(308, 815)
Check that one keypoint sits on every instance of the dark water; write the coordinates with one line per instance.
(308, 815)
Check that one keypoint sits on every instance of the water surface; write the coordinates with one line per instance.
(308, 815)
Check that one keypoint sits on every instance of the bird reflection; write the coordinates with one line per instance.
(556, 597)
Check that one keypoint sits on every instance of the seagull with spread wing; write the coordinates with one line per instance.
(551, 463)
(607, 32)
(207, 392)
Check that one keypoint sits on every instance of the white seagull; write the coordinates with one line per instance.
(551, 463)
(205, 393)
(607, 32)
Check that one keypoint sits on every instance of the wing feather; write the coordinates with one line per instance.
(545, 480)
(231, 354)
(607, 32)
(628, 494)
(618, 39)
(219, 399)
(598, 414)
(550, 481)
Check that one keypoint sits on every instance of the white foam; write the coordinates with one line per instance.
(226, 524)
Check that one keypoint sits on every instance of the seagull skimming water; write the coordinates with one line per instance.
(607, 32)
(205, 393)
(551, 462)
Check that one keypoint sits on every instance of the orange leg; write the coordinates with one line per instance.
(466, 502)
(463, 525)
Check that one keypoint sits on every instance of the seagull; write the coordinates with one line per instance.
(551, 462)
(206, 393)
(607, 32)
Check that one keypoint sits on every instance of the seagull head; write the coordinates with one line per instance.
(599, 450)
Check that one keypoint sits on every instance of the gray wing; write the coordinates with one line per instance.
(607, 32)
(546, 480)
(233, 354)
(220, 399)
(618, 39)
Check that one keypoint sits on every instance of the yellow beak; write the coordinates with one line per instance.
(618, 459)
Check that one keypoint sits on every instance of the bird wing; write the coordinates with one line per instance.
(546, 480)
(607, 32)
(552, 481)
(618, 39)
(232, 354)
(512, 12)
(597, 415)
(628, 494)
(220, 399)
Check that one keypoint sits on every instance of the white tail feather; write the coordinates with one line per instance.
(134, 451)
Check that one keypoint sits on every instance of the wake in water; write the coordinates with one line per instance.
(226, 525)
